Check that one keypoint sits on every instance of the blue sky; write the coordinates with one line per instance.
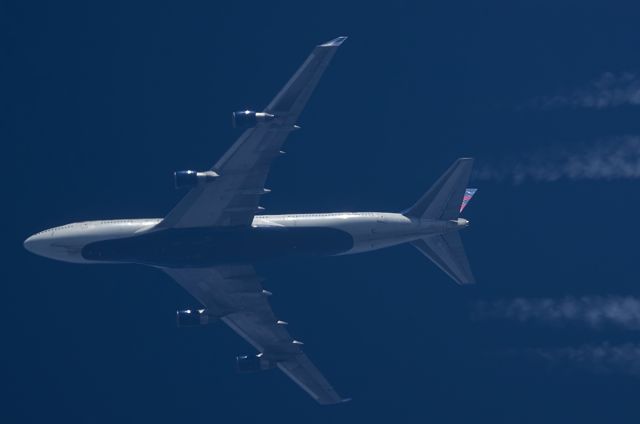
(102, 102)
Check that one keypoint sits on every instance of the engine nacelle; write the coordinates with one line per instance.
(253, 363)
(249, 118)
(190, 179)
(192, 317)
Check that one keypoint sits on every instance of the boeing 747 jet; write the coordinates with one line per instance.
(212, 238)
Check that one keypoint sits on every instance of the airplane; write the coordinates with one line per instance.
(211, 240)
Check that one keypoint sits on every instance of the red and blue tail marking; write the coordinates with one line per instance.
(468, 194)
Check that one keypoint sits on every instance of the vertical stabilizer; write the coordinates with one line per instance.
(444, 198)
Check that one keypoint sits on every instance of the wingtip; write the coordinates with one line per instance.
(336, 42)
(338, 401)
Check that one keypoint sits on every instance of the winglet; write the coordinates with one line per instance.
(336, 42)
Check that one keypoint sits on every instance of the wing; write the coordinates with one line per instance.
(235, 294)
(233, 197)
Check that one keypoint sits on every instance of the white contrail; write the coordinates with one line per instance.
(614, 158)
(609, 90)
(595, 312)
(604, 359)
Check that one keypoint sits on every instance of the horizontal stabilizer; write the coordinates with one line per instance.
(447, 252)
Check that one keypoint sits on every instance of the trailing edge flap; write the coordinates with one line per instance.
(447, 252)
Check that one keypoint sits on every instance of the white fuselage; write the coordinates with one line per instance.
(369, 231)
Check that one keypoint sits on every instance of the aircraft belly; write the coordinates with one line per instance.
(368, 230)
(377, 231)
(203, 247)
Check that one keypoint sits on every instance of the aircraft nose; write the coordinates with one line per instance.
(36, 244)
(60, 244)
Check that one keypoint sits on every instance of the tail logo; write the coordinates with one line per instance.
(468, 194)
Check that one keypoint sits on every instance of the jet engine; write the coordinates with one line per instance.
(192, 317)
(253, 363)
(190, 179)
(249, 118)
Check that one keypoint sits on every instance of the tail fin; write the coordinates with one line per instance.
(444, 198)
(444, 201)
